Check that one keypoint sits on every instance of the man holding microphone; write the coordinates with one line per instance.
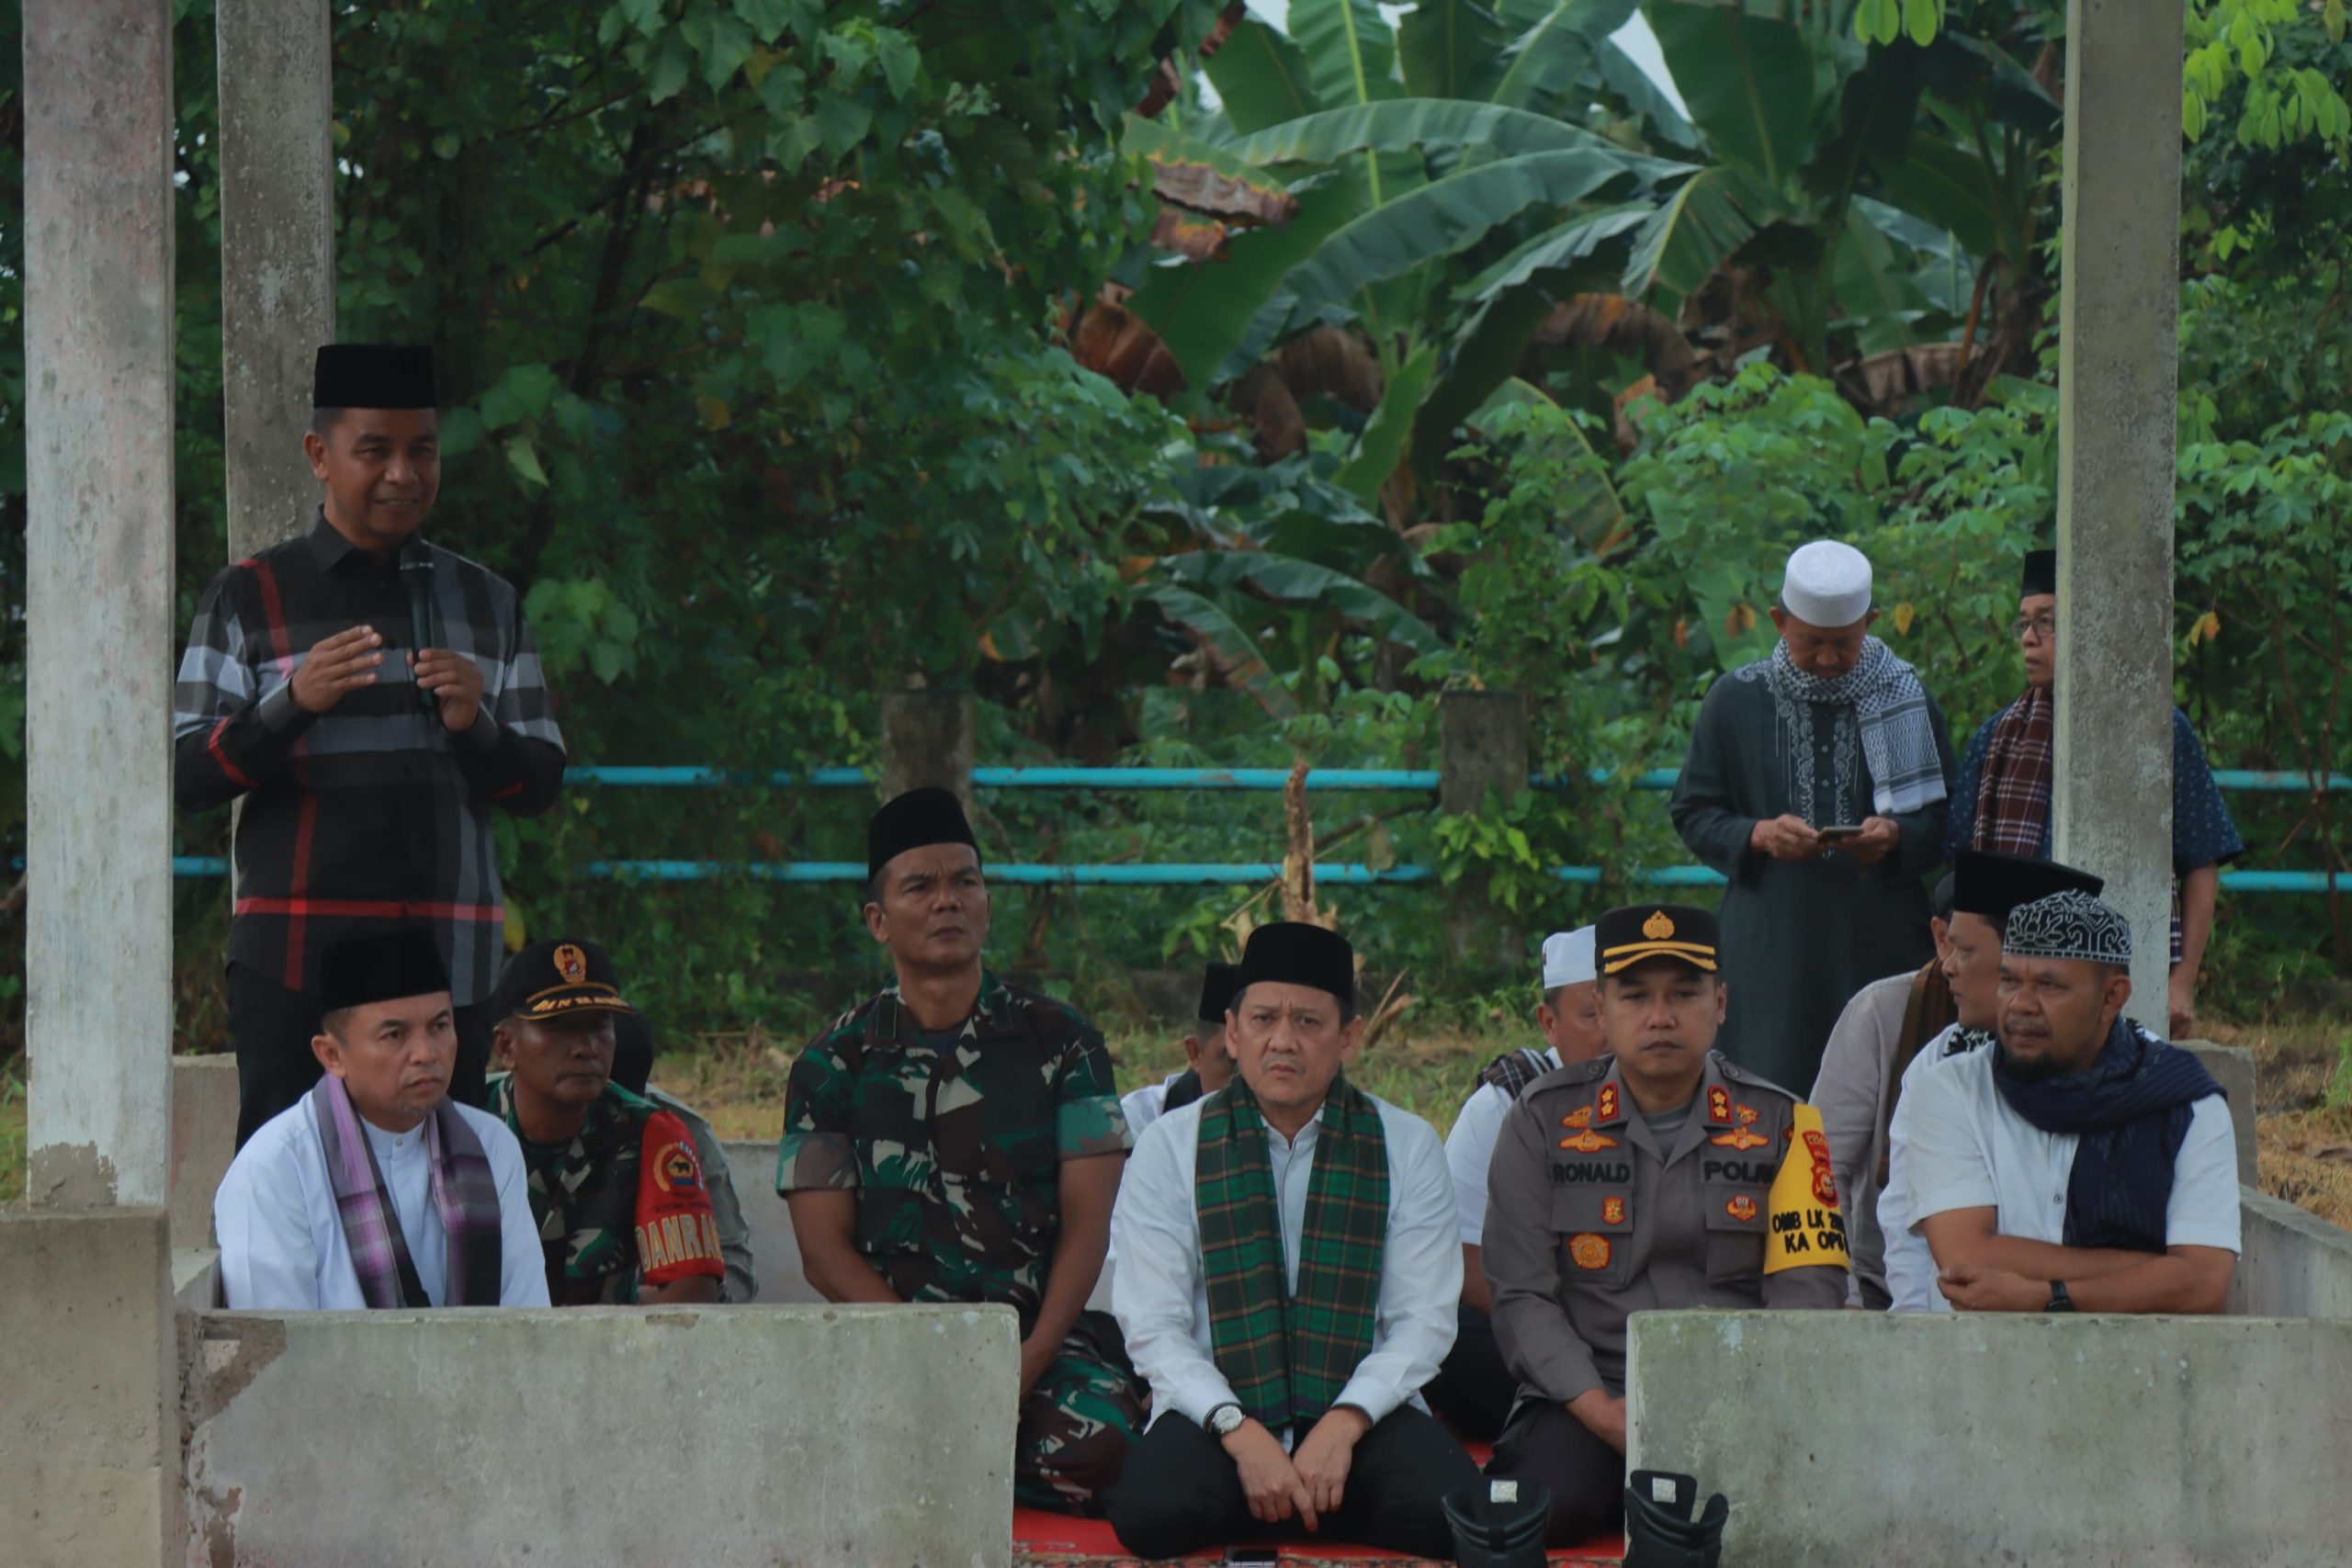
(370, 697)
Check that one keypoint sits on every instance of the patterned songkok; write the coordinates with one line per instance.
(2069, 925)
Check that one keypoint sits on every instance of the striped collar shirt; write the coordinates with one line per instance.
(371, 814)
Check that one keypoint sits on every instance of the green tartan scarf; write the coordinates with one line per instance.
(1287, 1358)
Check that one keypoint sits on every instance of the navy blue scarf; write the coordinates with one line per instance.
(2131, 1108)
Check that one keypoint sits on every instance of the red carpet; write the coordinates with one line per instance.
(1049, 1541)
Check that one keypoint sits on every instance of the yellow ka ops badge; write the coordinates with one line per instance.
(1803, 1227)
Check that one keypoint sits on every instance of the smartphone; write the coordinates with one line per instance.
(1252, 1556)
(1839, 833)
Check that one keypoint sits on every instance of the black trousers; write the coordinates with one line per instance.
(1473, 1392)
(271, 1027)
(1585, 1477)
(1181, 1492)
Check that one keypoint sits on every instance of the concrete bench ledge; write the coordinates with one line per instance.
(2061, 1443)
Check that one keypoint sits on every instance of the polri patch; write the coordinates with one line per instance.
(1580, 1117)
(1742, 1208)
(1589, 1141)
(1739, 1138)
(1588, 1250)
(1747, 1115)
(1612, 1210)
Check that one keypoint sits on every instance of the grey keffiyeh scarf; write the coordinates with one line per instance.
(1889, 714)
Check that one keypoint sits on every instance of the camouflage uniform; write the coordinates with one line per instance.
(587, 1203)
(952, 1145)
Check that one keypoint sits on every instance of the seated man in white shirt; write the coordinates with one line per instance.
(1474, 1390)
(1287, 1278)
(377, 1189)
(1208, 1059)
(2082, 1163)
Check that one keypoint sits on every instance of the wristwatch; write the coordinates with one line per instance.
(1225, 1420)
(2059, 1300)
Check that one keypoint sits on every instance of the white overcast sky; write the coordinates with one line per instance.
(1634, 38)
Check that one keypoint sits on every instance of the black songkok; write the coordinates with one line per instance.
(1986, 883)
(388, 967)
(916, 818)
(372, 376)
(1291, 953)
(1218, 983)
(2041, 574)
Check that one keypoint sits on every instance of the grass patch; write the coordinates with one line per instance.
(12, 1137)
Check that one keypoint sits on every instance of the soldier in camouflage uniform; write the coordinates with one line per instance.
(959, 1139)
(616, 1185)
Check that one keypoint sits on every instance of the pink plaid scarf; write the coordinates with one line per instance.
(463, 1190)
(2013, 801)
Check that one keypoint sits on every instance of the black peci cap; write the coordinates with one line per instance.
(372, 376)
(917, 818)
(383, 967)
(1218, 983)
(2041, 574)
(1989, 883)
(1292, 952)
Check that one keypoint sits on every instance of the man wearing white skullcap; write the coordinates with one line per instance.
(1473, 1390)
(1815, 782)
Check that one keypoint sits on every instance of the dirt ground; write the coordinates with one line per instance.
(2304, 1130)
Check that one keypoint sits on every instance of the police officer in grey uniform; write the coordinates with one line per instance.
(1640, 1180)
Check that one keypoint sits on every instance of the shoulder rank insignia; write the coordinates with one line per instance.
(1612, 1210)
(1589, 1251)
(1580, 1117)
(1742, 1208)
(1719, 1105)
(1589, 1141)
(1606, 1107)
(1747, 1115)
(1739, 1138)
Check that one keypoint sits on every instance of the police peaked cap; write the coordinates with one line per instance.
(915, 820)
(1635, 933)
(1988, 884)
(372, 376)
(384, 967)
(1294, 953)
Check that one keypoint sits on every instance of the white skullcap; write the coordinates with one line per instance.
(1567, 958)
(1827, 585)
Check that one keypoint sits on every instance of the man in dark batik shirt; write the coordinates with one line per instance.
(959, 1139)
(2003, 801)
(368, 764)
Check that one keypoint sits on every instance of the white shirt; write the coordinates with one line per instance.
(1969, 1150)
(281, 1238)
(1142, 1106)
(1160, 1294)
(1470, 1149)
(1910, 1266)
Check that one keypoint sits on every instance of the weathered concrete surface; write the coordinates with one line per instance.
(2118, 366)
(927, 741)
(2233, 1068)
(97, 129)
(2058, 1442)
(204, 1140)
(1482, 747)
(89, 1431)
(774, 1254)
(478, 1436)
(277, 255)
(2293, 1264)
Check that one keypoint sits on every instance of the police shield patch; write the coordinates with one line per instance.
(1589, 1251)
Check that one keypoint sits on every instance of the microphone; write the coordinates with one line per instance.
(423, 607)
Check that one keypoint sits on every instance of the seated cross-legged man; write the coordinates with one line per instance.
(1474, 1390)
(1208, 1061)
(376, 1188)
(2082, 1163)
(1985, 884)
(616, 1188)
(1288, 1279)
(957, 1138)
(1658, 1176)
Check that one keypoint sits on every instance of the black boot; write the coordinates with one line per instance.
(1498, 1524)
(1659, 1530)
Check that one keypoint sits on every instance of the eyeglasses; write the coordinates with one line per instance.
(2043, 627)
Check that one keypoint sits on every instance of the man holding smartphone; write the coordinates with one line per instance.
(1816, 783)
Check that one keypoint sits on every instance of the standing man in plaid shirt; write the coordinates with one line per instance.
(370, 696)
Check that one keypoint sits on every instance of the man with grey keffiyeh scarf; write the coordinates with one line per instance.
(1816, 783)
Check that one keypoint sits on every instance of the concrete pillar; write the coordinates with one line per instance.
(2118, 401)
(99, 609)
(927, 741)
(277, 255)
(1482, 746)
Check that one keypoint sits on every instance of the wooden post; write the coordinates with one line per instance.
(1482, 746)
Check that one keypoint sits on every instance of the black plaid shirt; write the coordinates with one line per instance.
(371, 814)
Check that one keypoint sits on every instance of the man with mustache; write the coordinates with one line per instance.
(370, 759)
(617, 1187)
(957, 1138)
(377, 1189)
(2083, 1165)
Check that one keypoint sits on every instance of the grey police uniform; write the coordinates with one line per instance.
(1590, 1221)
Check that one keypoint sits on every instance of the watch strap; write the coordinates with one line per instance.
(2059, 1300)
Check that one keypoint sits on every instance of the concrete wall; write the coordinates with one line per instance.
(2064, 1442)
(2233, 1068)
(2293, 1264)
(204, 1140)
(741, 1435)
